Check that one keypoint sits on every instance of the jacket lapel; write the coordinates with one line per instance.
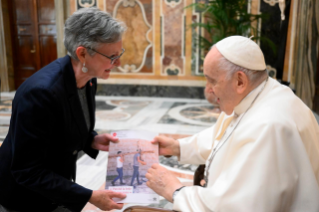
(73, 98)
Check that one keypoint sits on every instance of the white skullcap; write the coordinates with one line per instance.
(243, 52)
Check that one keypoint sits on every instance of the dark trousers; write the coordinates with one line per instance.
(136, 174)
(120, 175)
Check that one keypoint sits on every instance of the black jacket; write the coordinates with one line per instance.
(47, 129)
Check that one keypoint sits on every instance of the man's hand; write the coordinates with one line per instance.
(162, 181)
(167, 146)
(122, 158)
(139, 159)
(102, 141)
(103, 199)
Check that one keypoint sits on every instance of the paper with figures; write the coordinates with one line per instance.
(128, 162)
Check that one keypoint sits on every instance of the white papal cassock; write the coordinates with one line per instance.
(270, 162)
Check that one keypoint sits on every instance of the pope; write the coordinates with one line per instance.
(263, 152)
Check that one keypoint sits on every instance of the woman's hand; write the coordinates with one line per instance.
(102, 141)
(103, 199)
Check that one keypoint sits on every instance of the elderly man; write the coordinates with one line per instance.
(263, 152)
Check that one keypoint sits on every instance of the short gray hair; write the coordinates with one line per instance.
(254, 76)
(90, 27)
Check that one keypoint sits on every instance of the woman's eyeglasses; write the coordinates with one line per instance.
(113, 59)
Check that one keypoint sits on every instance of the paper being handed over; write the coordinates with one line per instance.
(128, 163)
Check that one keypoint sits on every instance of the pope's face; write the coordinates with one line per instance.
(100, 66)
(218, 84)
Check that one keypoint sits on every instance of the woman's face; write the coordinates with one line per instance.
(100, 66)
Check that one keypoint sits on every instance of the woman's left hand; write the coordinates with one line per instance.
(102, 141)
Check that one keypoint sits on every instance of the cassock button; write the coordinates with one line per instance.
(75, 151)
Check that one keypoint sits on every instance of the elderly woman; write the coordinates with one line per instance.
(53, 119)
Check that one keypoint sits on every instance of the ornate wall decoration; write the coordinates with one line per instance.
(173, 3)
(173, 20)
(172, 70)
(136, 39)
(129, 3)
(86, 3)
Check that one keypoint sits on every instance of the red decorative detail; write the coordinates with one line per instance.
(91, 83)
(114, 134)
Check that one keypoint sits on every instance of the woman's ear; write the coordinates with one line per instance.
(242, 82)
(81, 53)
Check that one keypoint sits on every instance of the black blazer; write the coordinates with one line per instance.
(47, 130)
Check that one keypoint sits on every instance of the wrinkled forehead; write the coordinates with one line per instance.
(211, 62)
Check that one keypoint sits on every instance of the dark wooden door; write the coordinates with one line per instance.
(34, 32)
(316, 98)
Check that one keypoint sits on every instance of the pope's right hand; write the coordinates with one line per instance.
(103, 199)
(167, 146)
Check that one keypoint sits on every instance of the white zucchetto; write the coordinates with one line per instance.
(243, 52)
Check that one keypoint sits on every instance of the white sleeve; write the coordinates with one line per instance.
(196, 149)
(268, 171)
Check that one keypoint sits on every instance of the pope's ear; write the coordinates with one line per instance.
(81, 53)
(242, 82)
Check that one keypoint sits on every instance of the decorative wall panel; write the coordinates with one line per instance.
(137, 39)
(172, 20)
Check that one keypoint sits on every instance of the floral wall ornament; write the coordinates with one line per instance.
(129, 3)
(86, 3)
(129, 68)
(173, 3)
(172, 70)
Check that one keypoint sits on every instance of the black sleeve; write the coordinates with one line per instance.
(88, 149)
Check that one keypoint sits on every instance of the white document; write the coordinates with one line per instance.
(128, 162)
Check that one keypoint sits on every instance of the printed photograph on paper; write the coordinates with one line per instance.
(128, 163)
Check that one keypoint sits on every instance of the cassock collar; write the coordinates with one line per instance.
(248, 100)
